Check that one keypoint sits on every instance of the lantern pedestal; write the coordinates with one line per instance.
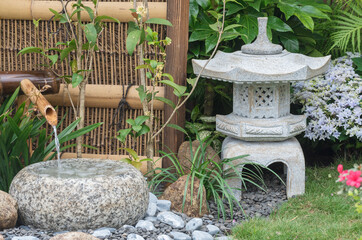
(288, 152)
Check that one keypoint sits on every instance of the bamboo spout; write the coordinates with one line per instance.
(39, 100)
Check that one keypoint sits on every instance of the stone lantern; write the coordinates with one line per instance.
(261, 124)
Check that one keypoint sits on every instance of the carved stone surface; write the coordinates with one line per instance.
(86, 193)
(248, 129)
(288, 152)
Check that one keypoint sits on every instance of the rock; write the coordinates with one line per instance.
(200, 235)
(9, 211)
(118, 194)
(133, 236)
(112, 230)
(151, 219)
(180, 236)
(163, 237)
(212, 229)
(102, 233)
(152, 209)
(175, 193)
(26, 238)
(145, 225)
(194, 224)
(1, 237)
(74, 236)
(223, 238)
(163, 205)
(152, 197)
(125, 227)
(184, 154)
(171, 219)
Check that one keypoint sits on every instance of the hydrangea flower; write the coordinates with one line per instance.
(332, 102)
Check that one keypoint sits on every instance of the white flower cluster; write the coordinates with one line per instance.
(333, 101)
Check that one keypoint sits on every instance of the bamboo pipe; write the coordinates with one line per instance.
(38, 99)
(103, 96)
(10, 80)
(31, 9)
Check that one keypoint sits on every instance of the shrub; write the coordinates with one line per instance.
(332, 102)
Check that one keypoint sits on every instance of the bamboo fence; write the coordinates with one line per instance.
(113, 71)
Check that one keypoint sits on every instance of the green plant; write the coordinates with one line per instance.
(213, 175)
(347, 26)
(18, 129)
(83, 43)
(205, 127)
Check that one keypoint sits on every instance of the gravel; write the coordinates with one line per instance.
(255, 203)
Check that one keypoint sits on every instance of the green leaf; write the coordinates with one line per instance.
(277, 24)
(90, 12)
(169, 76)
(90, 33)
(103, 17)
(211, 42)
(132, 153)
(145, 129)
(205, 4)
(232, 26)
(141, 119)
(290, 42)
(36, 22)
(132, 39)
(200, 35)
(53, 58)
(65, 52)
(153, 64)
(30, 50)
(76, 79)
(358, 62)
(141, 92)
(165, 100)
(287, 9)
(305, 19)
(233, 8)
(178, 89)
(313, 12)
(255, 4)
(250, 29)
(130, 122)
(159, 21)
(178, 128)
(123, 134)
(136, 128)
(191, 81)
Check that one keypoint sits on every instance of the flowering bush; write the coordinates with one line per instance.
(332, 102)
(352, 180)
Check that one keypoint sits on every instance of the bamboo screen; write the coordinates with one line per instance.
(112, 66)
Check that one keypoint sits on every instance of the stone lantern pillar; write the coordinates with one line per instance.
(261, 124)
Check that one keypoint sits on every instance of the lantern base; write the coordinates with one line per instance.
(288, 152)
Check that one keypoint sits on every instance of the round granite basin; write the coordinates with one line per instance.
(83, 194)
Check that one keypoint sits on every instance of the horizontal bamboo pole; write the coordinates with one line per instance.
(143, 169)
(28, 9)
(102, 96)
(41, 103)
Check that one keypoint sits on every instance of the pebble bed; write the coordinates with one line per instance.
(163, 224)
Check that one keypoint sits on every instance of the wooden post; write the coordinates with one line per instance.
(176, 65)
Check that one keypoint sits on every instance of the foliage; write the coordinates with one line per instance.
(332, 103)
(18, 129)
(347, 26)
(297, 218)
(290, 23)
(351, 183)
(205, 127)
(212, 175)
(78, 52)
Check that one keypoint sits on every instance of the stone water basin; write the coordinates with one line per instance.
(84, 194)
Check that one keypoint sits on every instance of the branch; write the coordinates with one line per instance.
(179, 105)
